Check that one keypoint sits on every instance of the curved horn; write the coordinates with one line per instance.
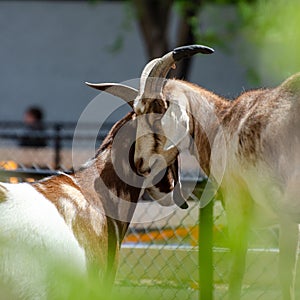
(122, 91)
(145, 74)
(162, 65)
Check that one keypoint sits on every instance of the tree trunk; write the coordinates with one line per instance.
(153, 18)
(186, 35)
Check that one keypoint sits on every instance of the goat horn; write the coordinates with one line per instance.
(161, 66)
(122, 91)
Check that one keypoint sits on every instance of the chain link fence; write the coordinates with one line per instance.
(161, 258)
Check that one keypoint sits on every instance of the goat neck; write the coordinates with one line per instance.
(205, 111)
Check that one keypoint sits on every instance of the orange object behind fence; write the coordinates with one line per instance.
(10, 165)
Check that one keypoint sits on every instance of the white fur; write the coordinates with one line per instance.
(34, 238)
(175, 124)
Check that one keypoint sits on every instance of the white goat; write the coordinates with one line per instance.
(76, 220)
(249, 147)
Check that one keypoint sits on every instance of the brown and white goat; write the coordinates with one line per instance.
(250, 148)
(78, 220)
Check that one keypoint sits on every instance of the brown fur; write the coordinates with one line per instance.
(94, 215)
(260, 130)
(84, 231)
(3, 191)
(94, 203)
(256, 108)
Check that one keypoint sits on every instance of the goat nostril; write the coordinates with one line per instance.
(139, 166)
(146, 172)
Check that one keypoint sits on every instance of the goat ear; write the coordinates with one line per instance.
(175, 124)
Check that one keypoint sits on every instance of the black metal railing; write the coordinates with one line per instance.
(58, 135)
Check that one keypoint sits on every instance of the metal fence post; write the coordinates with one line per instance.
(206, 252)
(57, 145)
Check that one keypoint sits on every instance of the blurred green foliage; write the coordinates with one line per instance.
(273, 27)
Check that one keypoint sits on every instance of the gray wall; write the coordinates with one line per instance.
(48, 49)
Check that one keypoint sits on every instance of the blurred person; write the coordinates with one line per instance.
(34, 128)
